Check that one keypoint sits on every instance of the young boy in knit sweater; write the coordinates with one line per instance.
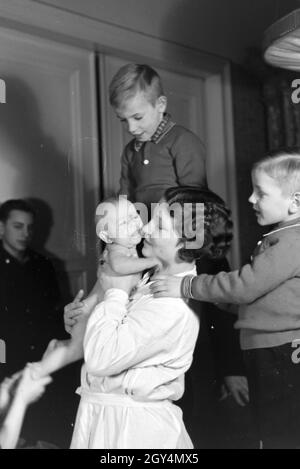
(267, 291)
(161, 153)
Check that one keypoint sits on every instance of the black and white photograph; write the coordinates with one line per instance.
(149, 227)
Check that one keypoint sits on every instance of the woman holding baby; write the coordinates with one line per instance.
(137, 348)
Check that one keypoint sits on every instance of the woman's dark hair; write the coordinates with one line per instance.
(215, 217)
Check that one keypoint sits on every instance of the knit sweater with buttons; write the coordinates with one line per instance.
(267, 289)
(176, 158)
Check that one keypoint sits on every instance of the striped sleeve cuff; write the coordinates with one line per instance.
(186, 286)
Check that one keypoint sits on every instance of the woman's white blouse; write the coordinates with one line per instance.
(140, 346)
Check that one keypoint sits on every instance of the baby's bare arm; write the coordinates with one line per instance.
(124, 265)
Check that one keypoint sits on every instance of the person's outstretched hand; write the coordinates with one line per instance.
(6, 390)
(31, 386)
(166, 285)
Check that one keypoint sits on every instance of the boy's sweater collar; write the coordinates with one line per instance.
(284, 225)
(163, 128)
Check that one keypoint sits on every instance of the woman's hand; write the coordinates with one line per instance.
(166, 285)
(73, 311)
(78, 330)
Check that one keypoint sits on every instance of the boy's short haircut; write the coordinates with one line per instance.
(284, 167)
(15, 204)
(132, 78)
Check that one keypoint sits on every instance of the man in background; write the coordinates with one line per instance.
(30, 316)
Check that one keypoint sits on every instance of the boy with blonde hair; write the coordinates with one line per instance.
(162, 154)
(268, 292)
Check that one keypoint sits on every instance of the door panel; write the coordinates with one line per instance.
(49, 147)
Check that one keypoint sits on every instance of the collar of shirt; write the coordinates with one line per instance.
(265, 242)
(163, 128)
(284, 225)
(7, 258)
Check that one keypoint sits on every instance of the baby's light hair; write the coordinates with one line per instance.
(133, 78)
(284, 167)
(100, 213)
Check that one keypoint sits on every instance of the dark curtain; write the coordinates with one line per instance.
(282, 115)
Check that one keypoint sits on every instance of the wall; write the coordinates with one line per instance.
(222, 27)
(250, 146)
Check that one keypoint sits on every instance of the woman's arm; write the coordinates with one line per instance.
(79, 307)
(115, 341)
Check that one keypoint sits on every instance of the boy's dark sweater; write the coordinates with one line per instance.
(176, 158)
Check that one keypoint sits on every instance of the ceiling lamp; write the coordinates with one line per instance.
(282, 42)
